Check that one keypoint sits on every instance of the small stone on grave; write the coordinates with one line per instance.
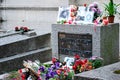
(30, 33)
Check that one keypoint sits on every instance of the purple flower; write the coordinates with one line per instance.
(53, 73)
(42, 68)
(53, 66)
(94, 57)
(39, 78)
(14, 79)
(94, 9)
(49, 69)
(47, 76)
(57, 64)
(91, 6)
(95, 4)
(50, 73)
(98, 11)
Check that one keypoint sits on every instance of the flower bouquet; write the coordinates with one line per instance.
(56, 71)
(81, 65)
(22, 30)
(95, 8)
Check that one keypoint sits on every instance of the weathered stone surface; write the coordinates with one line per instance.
(35, 3)
(105, 39)
(17, 44)
(36, 14)
(16, 62)
(103, 73)
(31, 33)
(14, 48)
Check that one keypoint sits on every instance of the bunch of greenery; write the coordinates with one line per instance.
(111, 8)
(14, 75)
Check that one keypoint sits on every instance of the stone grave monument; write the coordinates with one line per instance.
(86, 40)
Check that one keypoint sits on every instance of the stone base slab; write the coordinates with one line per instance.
(103, 73)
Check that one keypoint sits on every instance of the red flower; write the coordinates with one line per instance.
(77, 56)
(74, 67)
(85, 5)
(85, 61)
(65, 73)
(25, 29)
(65, 22)
(16, 28)
(77, 62)
(23, 76)
(58, 72)
(54, 60)
(61, 69)
(72, 10)
(70, 21)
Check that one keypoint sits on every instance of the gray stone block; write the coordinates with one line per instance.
(31, 33)
(14, 48)
(16, 62)
(103, 73)
(105, 40)
(14, 45)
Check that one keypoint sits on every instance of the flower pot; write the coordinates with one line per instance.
(111, 19)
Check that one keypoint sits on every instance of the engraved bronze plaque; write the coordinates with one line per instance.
(71, 44)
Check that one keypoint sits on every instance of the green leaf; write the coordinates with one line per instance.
(52, 79)
(117, 5)
(111, 8)
(70, 75)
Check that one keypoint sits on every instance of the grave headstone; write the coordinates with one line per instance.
(86, 40)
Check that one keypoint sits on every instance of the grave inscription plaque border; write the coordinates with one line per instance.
(71, 44)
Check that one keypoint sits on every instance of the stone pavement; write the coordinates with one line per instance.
(103, 73)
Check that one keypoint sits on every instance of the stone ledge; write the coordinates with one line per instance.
(15, 62)
(103, 73)
(30, 8)
(7, 33)
(17, 44)
(24, 54)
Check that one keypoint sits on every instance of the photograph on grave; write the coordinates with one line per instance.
(89, 16)
(70, 44)
(69, 61)
(63, 13)
(84, 15)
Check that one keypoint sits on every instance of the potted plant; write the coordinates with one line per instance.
(111, 10)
